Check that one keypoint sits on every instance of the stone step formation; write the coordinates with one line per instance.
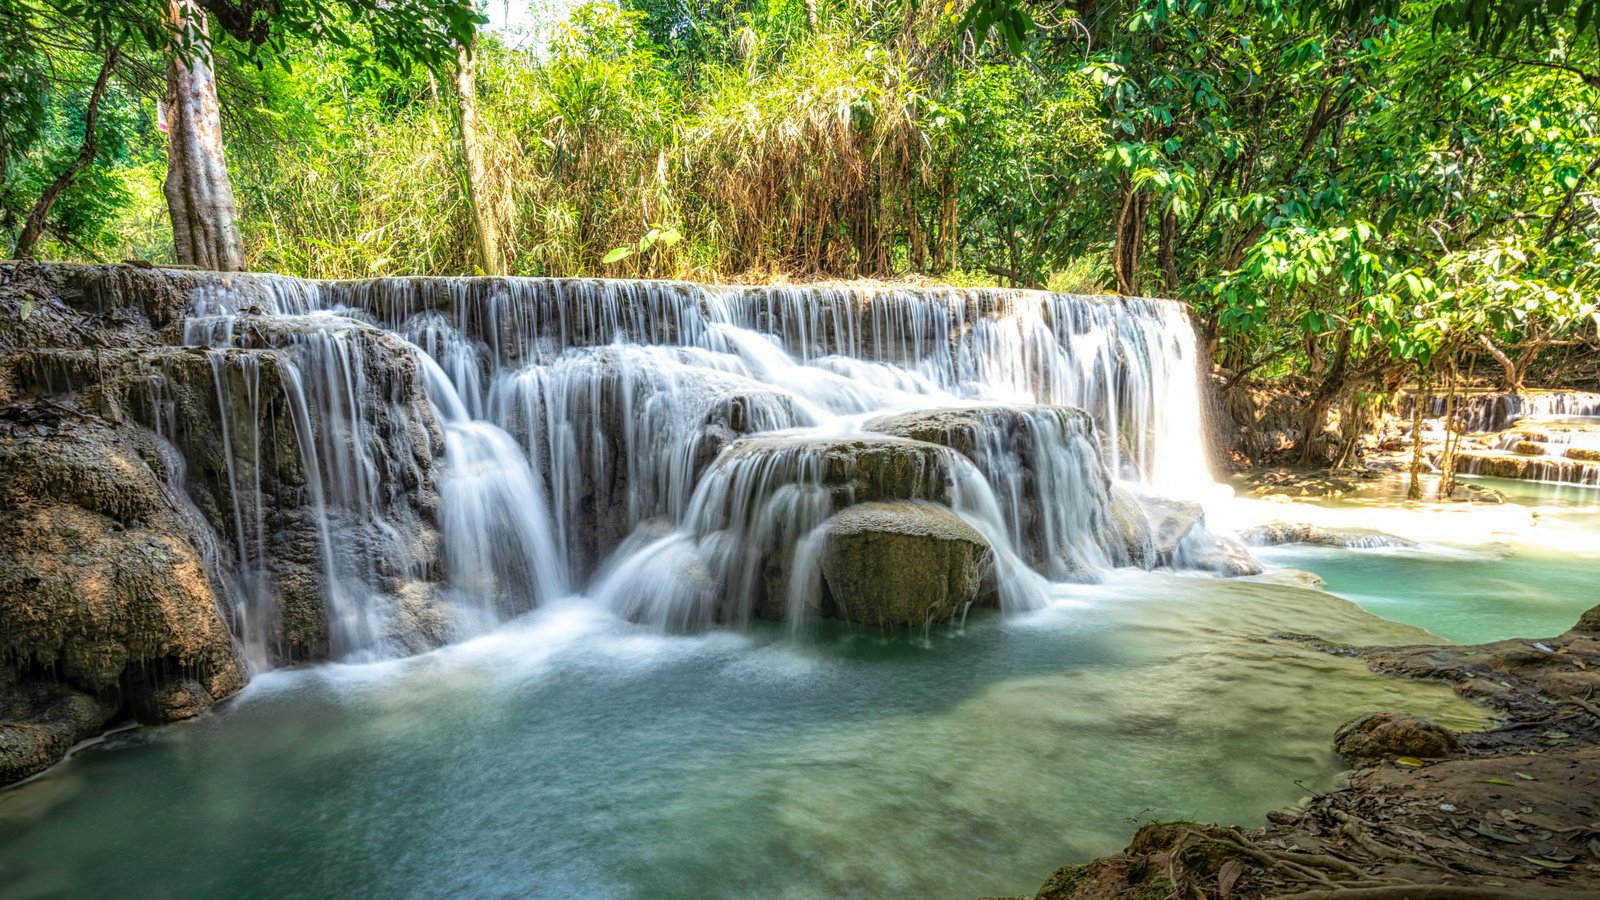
(283, 471)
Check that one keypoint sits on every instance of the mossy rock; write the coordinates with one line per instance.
(903, 564)
(1382, 735)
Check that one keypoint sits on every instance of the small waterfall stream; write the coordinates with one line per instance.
(675, 451)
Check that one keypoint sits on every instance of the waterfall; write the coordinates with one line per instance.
(472, 448)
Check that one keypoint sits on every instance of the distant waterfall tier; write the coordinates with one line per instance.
(387, 465)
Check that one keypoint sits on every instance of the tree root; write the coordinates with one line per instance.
(1417, 892)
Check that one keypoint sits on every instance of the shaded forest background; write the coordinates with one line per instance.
(1350, 195)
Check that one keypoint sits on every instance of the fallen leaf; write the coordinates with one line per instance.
(1411, 761)
(1497, 836)
(1497, 781)
(1526, 777)
(1544, 863)
(1228, 876)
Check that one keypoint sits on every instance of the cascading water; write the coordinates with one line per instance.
(679, 449)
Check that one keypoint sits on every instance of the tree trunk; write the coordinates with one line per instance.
(1452, 433)
(486, 235)
(1419, 397)
(1167, 251)
(205, 220)
(1328, 392)
(33, 229)
(1510, 379)
(1128, 239)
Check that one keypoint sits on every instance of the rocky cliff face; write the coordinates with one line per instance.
(161, 531)
(107, 608)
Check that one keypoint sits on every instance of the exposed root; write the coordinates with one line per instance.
(1418, 892)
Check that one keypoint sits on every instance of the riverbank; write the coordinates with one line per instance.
(1511, 812)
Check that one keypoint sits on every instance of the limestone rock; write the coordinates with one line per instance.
(231, 415)
(854, 469)
(894, 564)
(1275, 533)
(1589, 622)
(1132, 527)
(1210, 552)
(1385, 734)
(1171, 521)
(105, 600)
(1045, 464)
(39, 723)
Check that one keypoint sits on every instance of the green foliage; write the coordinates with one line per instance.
(392, 33)
(1340, 193)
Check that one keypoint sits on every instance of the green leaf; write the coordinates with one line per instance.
(617, 255)
(1497, 781)
(1411, 761)
(25, 311)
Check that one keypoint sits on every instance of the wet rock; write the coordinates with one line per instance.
(979, 432)
(853, 470)
(1127, 518)
(1275, 533)
(640, 434)
(421, 620)
(235, 419)
(1385, 734)
(894, 564)
(41, 721)
(1589, 622)
(1044, 464)
(1171, 521)
(91, 306)
(1504, 464)
(1211, 552)
(104, 594)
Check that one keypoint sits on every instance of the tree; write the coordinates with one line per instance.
(34, 227)
(484, 228)
(395, 33)
(205, 219)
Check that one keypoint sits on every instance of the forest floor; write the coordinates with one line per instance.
(1512, 812)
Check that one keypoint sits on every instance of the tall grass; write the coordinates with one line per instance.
(809, 154)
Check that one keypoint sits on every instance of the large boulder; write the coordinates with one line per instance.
(894, 564)
(1381, 735)
(40, 721)
(763, 496)
(1178, 537)
(851, 469)
(1045, 466)
(1132, 527)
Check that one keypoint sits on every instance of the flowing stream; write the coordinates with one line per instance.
(628, 702)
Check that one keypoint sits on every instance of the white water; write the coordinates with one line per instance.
(659, 447)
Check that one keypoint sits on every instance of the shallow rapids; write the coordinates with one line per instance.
(574, 754)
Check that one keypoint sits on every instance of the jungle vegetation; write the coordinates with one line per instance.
(1351, 194)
